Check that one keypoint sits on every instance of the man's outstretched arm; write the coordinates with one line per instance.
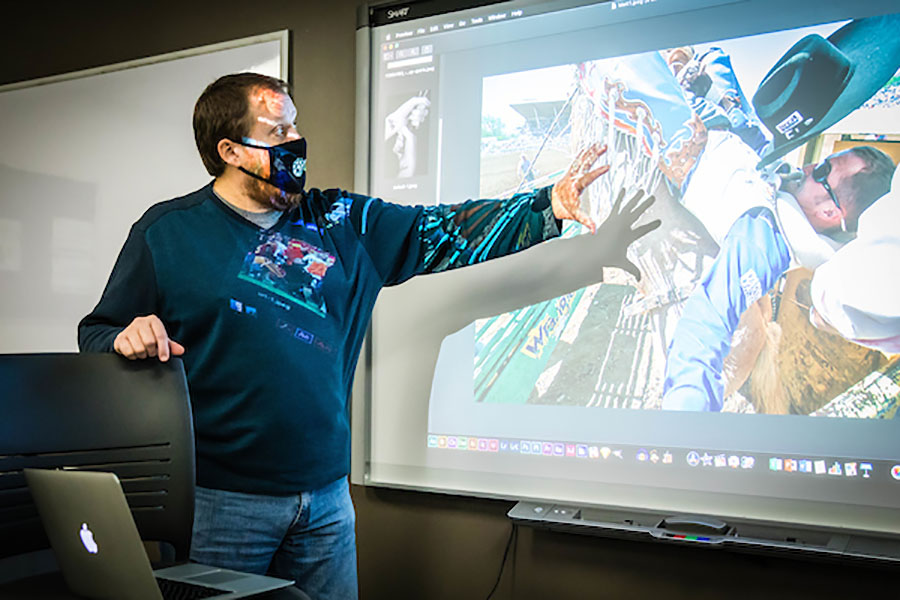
(444, 237)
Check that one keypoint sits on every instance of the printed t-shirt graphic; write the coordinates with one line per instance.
(291, 268)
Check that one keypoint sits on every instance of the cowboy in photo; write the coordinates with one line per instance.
(854, 294)
(765, 218)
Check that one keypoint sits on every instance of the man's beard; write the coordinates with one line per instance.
(266, 194)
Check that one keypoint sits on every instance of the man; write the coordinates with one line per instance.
(270, 355)
(713, 92)
(764, 219)
(856, 294)
(760, 245)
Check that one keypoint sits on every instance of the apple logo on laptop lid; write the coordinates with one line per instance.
(87, 538)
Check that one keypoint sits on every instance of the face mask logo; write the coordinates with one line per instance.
(299, 167)
(287, 165)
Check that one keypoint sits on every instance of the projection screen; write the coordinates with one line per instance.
(752, 371)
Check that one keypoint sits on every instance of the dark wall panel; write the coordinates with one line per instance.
(419, 545)
(59, 37)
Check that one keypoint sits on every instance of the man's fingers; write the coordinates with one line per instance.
(140, 350)
(591, 155)
(581, 159)
(588, 156)
(123, 347)
(639, 232)
(160, 337)
(585, 180)
(147, 338)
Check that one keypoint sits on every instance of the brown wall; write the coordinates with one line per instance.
(411, 545)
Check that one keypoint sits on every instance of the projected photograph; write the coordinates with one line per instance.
(289, 268)
(525, 130)
(771, 158)
(406, 135)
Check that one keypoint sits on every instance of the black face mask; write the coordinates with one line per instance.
(287, 165)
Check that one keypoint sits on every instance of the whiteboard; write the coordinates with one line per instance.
(83, 156)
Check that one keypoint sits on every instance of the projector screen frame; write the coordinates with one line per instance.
(851, 541)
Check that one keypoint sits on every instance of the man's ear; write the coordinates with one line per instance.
(228, 152)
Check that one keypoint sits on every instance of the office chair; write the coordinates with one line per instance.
(97, 412)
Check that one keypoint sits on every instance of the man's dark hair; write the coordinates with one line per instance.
(222, 111)
(871, 183)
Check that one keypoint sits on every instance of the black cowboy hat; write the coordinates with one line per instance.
(820, 81)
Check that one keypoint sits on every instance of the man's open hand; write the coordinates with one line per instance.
(619, 228)
(566, 196)
(146, 336)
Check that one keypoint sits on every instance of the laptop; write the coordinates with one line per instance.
(100, 552)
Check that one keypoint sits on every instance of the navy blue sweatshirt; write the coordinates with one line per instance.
(273, 319)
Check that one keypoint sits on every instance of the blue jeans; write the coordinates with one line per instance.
(308, 537)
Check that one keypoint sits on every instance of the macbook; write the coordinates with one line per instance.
(100, 552)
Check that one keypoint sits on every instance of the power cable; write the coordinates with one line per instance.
(510, 543)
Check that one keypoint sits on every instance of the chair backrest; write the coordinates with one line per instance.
(97, 412)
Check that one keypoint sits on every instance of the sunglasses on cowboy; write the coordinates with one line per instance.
(820, 175)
